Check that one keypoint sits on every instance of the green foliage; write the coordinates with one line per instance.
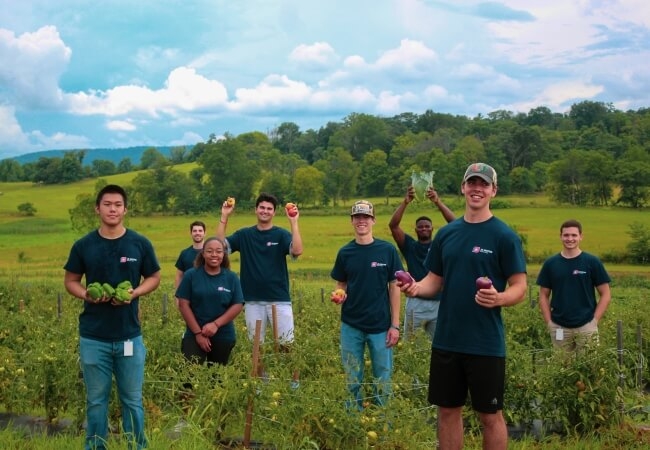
(163, 190)
(307, 185)
(374, 173)
(10, 170)
(26, 209)
(83, 216)
(152, 159)
(230, 170)
(102, 167)
(639, 247)
(341, 175)
(60, 170)
(594, 155)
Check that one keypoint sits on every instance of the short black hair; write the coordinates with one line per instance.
(265, 197)
(428, 219)
(111, 189)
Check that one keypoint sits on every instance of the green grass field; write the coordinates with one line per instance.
(38, 345)
(37, 246)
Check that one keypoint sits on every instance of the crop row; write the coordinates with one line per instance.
(39, 373)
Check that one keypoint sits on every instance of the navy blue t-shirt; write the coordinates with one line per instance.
(210, 296)
(572, 282)
(367, 270)
(263, 263)
(186, 258)
(460, 253)
(129, 257)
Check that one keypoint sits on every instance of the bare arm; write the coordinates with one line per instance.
(211, 328)
(188, 316)
(545, 303)
(427, 287)
(396, 219)
(394, 297)
(72, 283)
(296, 238)
(178, 278)
(226, 210)
(605, 298)
(149, 284)
(444, 210)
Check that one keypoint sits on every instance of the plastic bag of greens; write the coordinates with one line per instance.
(421, 182)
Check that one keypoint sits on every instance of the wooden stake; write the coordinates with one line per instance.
(256, 357)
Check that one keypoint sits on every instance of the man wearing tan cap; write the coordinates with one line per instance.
(365, 269)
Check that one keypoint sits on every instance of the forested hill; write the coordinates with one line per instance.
(114, 155)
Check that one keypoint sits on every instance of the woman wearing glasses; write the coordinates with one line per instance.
(210, 297)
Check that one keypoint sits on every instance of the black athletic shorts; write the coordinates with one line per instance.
(452, 375)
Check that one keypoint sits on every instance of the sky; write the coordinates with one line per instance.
(80, 74)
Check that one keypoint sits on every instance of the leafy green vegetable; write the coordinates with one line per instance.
(421, 182)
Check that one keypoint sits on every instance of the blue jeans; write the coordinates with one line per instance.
(99, 362)
(353, 343)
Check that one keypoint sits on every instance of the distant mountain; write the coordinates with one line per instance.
(110, 154)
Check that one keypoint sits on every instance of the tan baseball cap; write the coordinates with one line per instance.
(363, 207)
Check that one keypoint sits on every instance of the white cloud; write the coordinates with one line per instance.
(120, 125)
(15, 141)
(11, 133)
(274, 91)
(410, 56)
(184, 90)
(31, 66)
(317, 55)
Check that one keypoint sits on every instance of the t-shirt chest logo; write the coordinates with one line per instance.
(377, 264)
(578, 272)
(477, 249)
(126, 259)
(222, 289)
(271, 244)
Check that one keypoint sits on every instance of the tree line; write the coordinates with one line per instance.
(592, 155)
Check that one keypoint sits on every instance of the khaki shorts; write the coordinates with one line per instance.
(574, 338)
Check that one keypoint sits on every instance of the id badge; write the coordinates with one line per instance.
(128, 348)
(559, 334)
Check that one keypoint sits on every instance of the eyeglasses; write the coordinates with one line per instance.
(213, 252)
